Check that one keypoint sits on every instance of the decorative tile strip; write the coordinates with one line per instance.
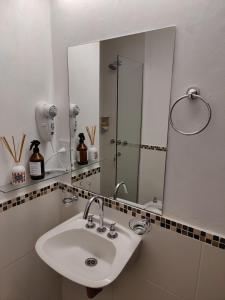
(19, 200)
(146, 147)
(85, 174)
(152, 147)
(188, 231)
(45, 189)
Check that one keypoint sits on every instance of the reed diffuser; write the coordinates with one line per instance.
(92, 150)
(18, 171)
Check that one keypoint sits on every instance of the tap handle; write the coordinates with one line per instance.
(90, 218)
(112, 234)
(90, 223)
(112, 227)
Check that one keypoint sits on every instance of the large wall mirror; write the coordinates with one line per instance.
(120, 96)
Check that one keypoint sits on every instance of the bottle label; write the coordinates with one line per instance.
(78, 156)
(35, 168)
(93, 154)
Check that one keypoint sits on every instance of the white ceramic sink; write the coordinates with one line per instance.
(66, 247)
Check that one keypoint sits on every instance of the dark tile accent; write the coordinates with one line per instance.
(221, 246)
(222, 240)
(190, 234)
(190, 229)
(216, 238)
(168, 224)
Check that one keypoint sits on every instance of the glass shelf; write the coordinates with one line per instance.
(48, 175)
(83, 168)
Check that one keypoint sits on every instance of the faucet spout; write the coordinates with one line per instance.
(101, 227)
(122, 183)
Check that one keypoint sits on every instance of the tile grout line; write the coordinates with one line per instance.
(198, 273)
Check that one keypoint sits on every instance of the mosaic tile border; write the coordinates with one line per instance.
(188, 231)
(183, 229)
(146, 147)
(85, 174)
(152, 147)
(27, 197)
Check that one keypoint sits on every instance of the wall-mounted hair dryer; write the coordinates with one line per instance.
(45, 114)
(74, 112)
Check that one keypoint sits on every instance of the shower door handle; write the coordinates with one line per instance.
(118, 154)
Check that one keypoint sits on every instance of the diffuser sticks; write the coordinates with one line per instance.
(92, 150)
(12, 150)
(18, 171)
(91, 133)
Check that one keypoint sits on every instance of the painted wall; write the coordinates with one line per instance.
(26, 75)
(83, 64)
(195, 170)
(158, 63)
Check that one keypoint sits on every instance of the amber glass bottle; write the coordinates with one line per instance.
(36, 163)
(82, 151)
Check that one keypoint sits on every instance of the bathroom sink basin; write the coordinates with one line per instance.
(85, 256)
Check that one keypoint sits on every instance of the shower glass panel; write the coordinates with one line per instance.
(129, 122)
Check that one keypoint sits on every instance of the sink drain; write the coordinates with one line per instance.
(91, 262)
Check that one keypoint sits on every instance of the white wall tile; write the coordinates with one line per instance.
(29, 279)
(151, 177)
(170, 261)
(26, 75)
(73, 291)
(170, 296)
(91, 183)
(132, 287)
(20, 227)
(211, 285)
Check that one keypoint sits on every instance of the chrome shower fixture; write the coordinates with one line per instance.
(113, 66)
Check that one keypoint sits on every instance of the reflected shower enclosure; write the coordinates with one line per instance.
(123, 85)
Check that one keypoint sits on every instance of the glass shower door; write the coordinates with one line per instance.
(129, 121)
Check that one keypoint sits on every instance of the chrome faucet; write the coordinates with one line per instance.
(122, 183)
(101, 227)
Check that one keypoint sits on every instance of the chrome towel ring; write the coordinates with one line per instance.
(191, 94)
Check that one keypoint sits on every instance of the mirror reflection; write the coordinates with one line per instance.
(120, 93)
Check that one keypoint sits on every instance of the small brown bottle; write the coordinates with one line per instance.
(36, 163)
(82, 151)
